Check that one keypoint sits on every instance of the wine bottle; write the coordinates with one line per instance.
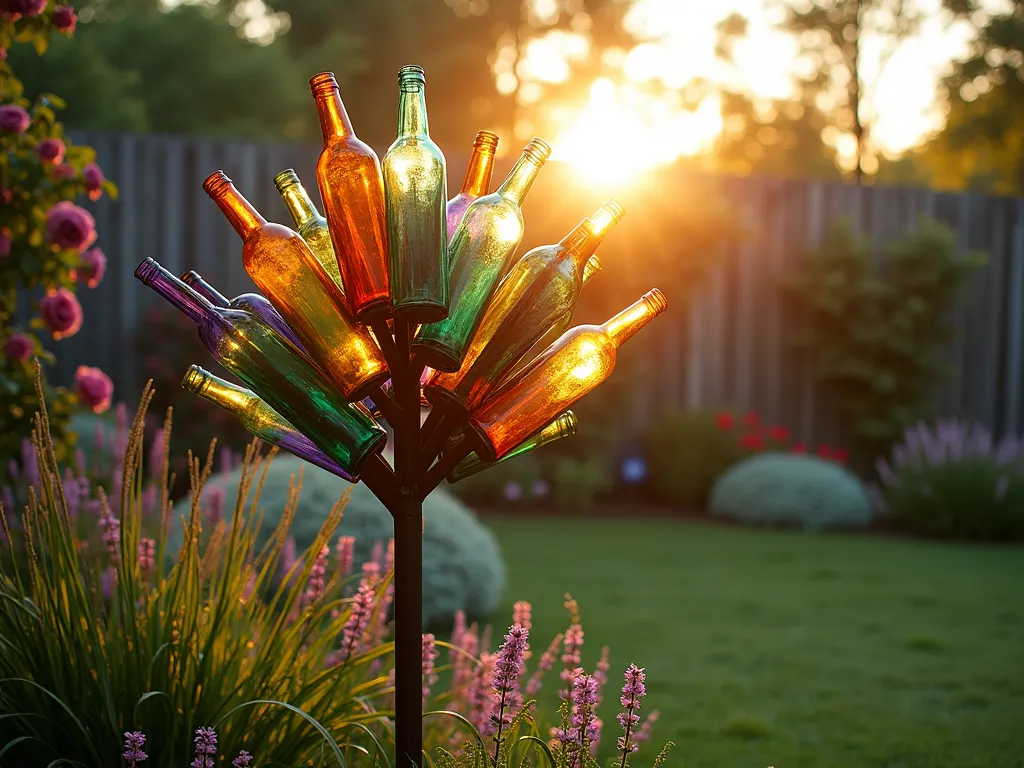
(577, 362)
(250, 302)
(415, 190)
(274, 368)
(352, 190)
(287, 273)
(564, 425)
(481, 252)
(477, 180)
(259, 418)
(311, 226)
(541, 288)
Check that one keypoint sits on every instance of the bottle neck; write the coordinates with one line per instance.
(590, 233)
(478, 173)
(215, 389)
(242, 215)
(412, 111)
(634, 317)
(195, 307)
(299, 204)
(520, 178)
(195, 281)
(334, 122)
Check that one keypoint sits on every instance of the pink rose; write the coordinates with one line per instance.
(14, 119)
(93, 181)
(68, 226)
(18, 347)
(23, 7)
(91, 268)
(5, 243)
(64, 18)
(51, 151)
(61, 313)
(94, 388)
(6, 195)
(64, 171)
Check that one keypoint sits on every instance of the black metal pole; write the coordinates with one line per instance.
(408, 515)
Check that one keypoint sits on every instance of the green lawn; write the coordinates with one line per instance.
(789, 650)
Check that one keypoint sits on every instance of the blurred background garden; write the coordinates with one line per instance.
(799, 500)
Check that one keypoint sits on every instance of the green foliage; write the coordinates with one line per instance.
(508, 481)
(951, 481)
(785, 489)
(462, 564)
(576, 483)
(168, 650)
(875, 333)
(30, 188)
(686, 451)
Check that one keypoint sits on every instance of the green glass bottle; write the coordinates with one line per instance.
(415, 195)
(276, 371)
(563, 426)
(540, 289)
(311, 226)
(481, 252)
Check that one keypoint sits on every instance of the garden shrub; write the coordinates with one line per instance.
(576, 483)
(462, 564)
(46, 241)
(517, 480)
(875, 332)
(788, 489)
(951, 479)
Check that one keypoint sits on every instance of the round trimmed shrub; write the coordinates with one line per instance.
(788, 489)
(462, 563)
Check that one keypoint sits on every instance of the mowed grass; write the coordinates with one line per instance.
(787, 649)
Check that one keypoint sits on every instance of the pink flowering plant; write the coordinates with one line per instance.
(222, 652)
(47, 240)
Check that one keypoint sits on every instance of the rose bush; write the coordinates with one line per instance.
(46, 240)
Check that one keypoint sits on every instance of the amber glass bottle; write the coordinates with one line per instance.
(477, 180)
(290, 277)
(481, 251)
(577, 362)
(311, 226)
(541, 288)
(352, 190)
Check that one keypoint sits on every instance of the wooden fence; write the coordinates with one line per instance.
(729, 345)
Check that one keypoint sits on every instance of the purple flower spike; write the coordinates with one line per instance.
(632, 692)
(206, 748)
(508, 665)
(358, 619)
(345, 549)
(244, 760)
(429, 655)
(317, 582)
(134, 741)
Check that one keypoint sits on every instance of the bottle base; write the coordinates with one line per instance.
(369, 387)
(444, 401)
(419, 312)
(375, 311)
(370, 448)
(481, 443)
(437, 356)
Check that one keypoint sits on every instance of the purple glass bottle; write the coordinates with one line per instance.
(275, 369)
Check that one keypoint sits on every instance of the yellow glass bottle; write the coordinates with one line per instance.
(540, 289)
(311, 226)
(577, 362)
(477, 180)
(481, 252)
(290, 277)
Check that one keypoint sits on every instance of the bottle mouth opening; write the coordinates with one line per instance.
(195, 379)
(656, 301)
(614, 209)
(537, 150)
(568, 424)
(411, 77)
(216, 183)
(323, 83)
(486, 140)
(593, 264)
(147, 270)
(285, 179)
(191, 277)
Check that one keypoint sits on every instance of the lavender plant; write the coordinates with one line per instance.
(951, 479)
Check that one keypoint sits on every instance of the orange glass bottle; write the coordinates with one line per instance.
(477, 180)
(567, 370)
(352, 190)
(541, 288)
(290, 277)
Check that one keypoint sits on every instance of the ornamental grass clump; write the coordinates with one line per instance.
(951, 479)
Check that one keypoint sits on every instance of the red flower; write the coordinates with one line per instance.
(725, 421)
(51, 151)
(61, 313)
(752, 441)
(93, 181)
(824, 452)
(70, 227)
(840, 456)
(5, 243)
(778, 434)
(63, 172)
(798, 448)
(64, 18)
(14, 119)
(91, 268)
(752, 419)
(94, 388)
(18, 347)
